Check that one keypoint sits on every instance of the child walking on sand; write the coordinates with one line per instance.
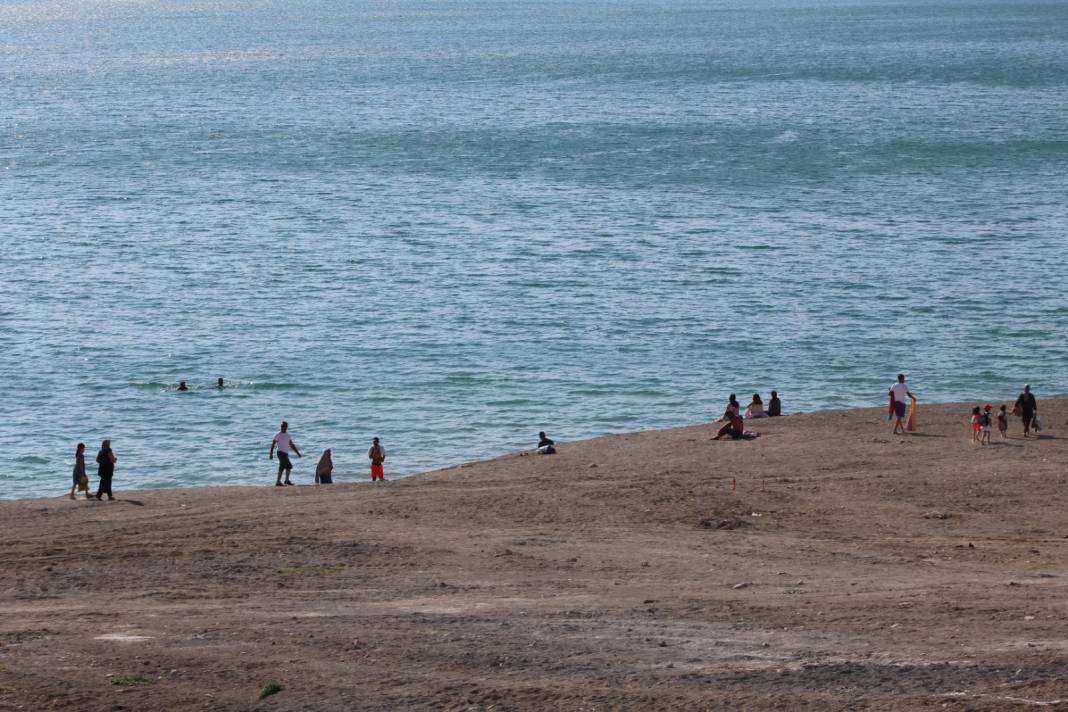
(1003, 422)
(81, 480)
(975, 424)
(984, 424)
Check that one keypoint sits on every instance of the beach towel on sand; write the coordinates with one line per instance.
(911, 424)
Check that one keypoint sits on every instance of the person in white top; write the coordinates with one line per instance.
(755, 408)
(283, 441)
(900, 391)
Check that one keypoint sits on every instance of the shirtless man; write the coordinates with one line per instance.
(377, 455)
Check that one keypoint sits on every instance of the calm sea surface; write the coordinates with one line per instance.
(453, 224)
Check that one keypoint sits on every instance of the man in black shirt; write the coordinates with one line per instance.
(774, 404)
(1028, 409)
(545, 445)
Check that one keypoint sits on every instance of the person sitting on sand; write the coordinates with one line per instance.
(106, 460)
(899, 392)
(81, 480)
(182, 386)
(545, 445)
(324, 469)
(735, 426)
(755, 409)
(733, 406)
(377, 455)
(774, 405)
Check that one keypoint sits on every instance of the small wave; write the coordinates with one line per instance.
(786, 137)
(271, 386)
(31, 460)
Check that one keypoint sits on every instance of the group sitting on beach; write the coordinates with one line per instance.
(735, 423)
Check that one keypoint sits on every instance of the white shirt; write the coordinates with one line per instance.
(900, 391)
(282, 440)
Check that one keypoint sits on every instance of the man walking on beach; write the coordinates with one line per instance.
(1028, 409)
(900, 391)
(377, 455)
(283, 441)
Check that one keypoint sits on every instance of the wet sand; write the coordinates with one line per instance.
(825, 565)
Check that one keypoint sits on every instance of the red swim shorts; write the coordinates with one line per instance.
(377, 472)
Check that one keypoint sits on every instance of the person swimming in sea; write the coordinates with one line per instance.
(182, 386)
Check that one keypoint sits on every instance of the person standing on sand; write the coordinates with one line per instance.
(1027, 408)
(985, 421)
(900, 391)
(324, 470)
(283, 441)
(1003, 422)
(377, 455)
(774, 405)
(106, 460)
(81, 480)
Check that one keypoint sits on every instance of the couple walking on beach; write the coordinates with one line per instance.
(283, 442)
(105, 460)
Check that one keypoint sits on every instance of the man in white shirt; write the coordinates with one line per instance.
(900, 392)
(283, 441)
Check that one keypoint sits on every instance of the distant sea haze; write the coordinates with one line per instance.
(452, 225)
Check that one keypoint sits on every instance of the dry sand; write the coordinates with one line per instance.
(826, 565)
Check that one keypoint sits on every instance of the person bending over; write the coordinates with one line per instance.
(545, 445)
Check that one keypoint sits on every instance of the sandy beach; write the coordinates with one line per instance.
(826, 565)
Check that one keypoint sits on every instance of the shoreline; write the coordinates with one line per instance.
(824, 564)
(365, 477)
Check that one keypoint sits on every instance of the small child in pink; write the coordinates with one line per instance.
(975, 424)
(1003, 421)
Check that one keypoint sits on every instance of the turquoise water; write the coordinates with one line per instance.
(452, 225)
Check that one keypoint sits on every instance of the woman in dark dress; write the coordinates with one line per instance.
(79, 472)
(106, 460)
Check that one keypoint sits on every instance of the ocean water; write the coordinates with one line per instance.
(454, 224)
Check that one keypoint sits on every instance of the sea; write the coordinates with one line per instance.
(452, 224)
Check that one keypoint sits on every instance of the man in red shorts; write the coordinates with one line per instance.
(377, 455)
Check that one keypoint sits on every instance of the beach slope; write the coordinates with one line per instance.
(825, 565)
